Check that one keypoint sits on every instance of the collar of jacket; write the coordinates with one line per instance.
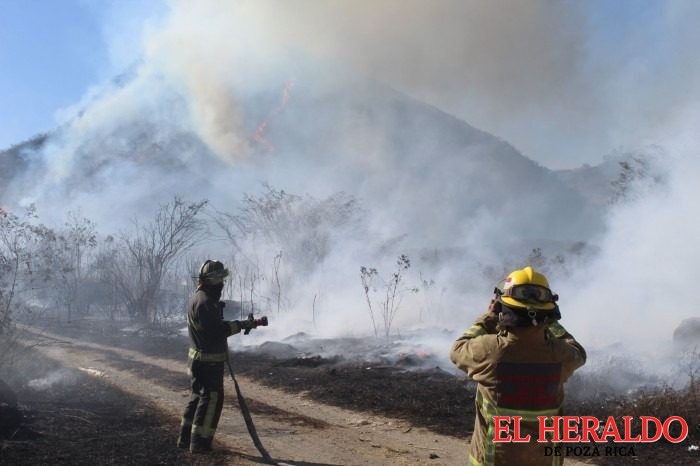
(210, 294)
(525, 333)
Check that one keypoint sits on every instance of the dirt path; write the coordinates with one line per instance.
(294, 428)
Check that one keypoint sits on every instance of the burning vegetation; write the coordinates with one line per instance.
(128, 288)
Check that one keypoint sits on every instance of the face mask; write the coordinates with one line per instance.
(214, 291)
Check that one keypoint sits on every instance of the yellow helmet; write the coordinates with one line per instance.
(526, 289)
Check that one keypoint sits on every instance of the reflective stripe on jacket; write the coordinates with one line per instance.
(197, 355)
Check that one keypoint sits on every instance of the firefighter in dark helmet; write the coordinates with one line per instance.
(208, 352)
(520, 356)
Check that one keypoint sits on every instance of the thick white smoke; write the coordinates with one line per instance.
(641, 287)
(527, 70)
(558, 80)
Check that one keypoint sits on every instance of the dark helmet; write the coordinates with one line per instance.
(212, 273)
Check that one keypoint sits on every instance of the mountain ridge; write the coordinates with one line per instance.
(377, 143)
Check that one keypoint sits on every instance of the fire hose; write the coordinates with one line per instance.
(252, 431)
(248, 419)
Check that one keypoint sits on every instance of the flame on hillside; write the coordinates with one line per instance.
(259, 136)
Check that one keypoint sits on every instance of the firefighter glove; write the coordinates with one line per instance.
(247, 324)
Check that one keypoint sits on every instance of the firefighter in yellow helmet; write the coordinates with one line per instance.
(520, 356)
(208, 352)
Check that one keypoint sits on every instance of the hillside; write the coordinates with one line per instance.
(14, 160)
(437, 173)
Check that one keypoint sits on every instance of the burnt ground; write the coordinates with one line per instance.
(662, 403)
(80, 419)
(432, 399)
(54, 419)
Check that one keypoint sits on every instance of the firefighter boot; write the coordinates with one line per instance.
(183, 440)
(200, 444)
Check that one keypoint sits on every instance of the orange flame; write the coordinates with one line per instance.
(259, 136)
(421, 353)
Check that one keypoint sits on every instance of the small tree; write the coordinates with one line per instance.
(104, 268)
(277, 261)
(637, 170)
(279, 239)
(367, 275)
(142, 260)
(23, 246)
(74, 244)
(301, 226)
(689, 362)
(392, 291)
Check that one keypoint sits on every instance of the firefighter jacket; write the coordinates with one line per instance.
(207, 328)
(520, 372)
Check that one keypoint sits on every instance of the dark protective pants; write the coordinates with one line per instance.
(203, 411)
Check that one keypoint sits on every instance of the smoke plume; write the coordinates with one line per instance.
(538, 73)
(465, 206)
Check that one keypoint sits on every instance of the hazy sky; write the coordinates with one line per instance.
(53, 51)
(50, 52)
(565, 82)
